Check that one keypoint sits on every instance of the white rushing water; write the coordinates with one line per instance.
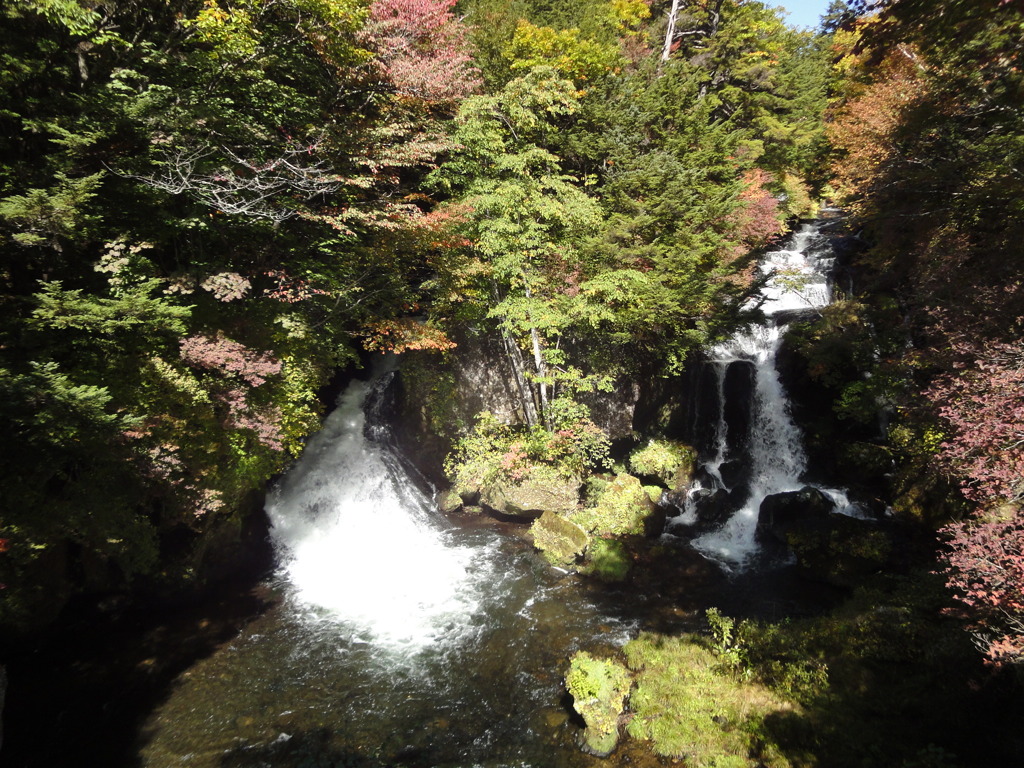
(358, 544)
(775, 456)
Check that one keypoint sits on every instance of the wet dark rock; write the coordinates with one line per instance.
(782, 512)
(735, 473)
(738, 390)
(714, 507)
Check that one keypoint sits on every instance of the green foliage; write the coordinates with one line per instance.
(573, 57)
(494, 451)
(670, 461)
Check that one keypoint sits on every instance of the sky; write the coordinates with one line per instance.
(802, 13)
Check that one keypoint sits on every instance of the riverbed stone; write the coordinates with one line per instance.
(599, 688)
(560, 540)
(541, 490)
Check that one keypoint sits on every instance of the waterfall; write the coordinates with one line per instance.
(771, 453)
(359, 544)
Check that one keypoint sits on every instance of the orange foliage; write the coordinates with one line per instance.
(404, 334)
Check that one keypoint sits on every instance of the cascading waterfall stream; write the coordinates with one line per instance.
(773, 453)
(330, 516)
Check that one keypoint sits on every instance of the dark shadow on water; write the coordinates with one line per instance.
(305, 749)
(78, 695)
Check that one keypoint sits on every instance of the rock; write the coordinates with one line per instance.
(734, 473)
(780, 512)
(449, 501)
(624, 509)
(668, 461)
(713, 506)
(599, 688)
(542, 490)
(561, 540)
(738, 390)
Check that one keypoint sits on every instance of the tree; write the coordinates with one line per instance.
(526, 218)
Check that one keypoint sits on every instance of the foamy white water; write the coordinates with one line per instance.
(797, 274)
(358, 544)
(775, 452)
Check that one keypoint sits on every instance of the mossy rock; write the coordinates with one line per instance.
(560, 540)
(599, 688)
(624, 509)
(543, 489)
(608, 560)
(449, 501)
(672, 463)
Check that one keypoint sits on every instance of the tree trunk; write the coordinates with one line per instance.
(539, 365)
(670, 33)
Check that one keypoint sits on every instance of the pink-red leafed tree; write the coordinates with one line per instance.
(983, 407)
(422, 48)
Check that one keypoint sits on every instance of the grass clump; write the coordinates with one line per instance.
(693, 708)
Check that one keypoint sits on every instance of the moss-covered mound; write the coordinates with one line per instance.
(599, 688)
(692, 708)
(623, 509)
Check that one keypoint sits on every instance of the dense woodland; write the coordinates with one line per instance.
(209, 208)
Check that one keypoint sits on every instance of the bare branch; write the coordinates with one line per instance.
(242, 187)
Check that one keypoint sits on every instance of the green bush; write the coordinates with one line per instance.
(621, 510)
(671, 462)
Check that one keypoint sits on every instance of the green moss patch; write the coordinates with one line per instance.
(608, 560)
(691, 708)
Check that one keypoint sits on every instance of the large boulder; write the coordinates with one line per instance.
(560, 540)
(781, 512)
(599, 688)
(542, 490)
